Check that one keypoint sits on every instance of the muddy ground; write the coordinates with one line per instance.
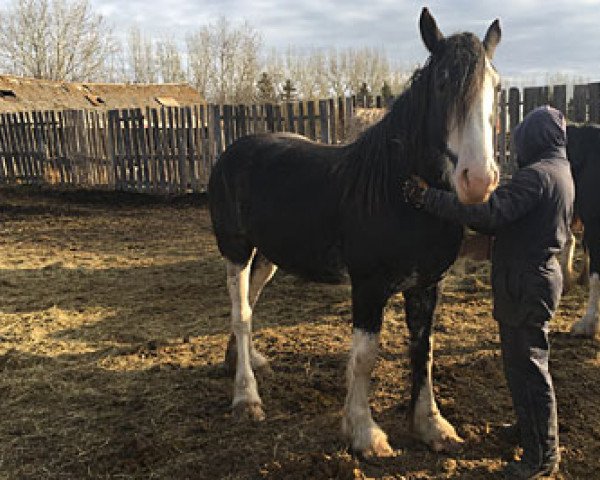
(113, 324)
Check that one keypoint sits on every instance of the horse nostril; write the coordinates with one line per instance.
(465, 176)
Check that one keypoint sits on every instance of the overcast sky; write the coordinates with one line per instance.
(540, 37)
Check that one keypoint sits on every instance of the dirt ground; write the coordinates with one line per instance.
(113, 324)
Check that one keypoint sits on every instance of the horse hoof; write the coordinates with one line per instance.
(249, 411)
(437, 433)
(447, 444)
(371, 443)
(379, 449)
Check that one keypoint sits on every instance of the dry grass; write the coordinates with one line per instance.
(113, 322)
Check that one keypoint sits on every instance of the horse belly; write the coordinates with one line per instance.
(306, 247)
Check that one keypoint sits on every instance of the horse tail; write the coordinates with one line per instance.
(226, 208)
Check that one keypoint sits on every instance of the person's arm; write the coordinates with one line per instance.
(507, 204)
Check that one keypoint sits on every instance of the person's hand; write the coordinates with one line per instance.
(414, 190)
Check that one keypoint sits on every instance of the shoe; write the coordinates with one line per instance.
(524, 471)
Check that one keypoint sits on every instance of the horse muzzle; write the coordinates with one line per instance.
(476, 187)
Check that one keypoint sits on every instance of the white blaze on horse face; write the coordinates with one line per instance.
(476, 174)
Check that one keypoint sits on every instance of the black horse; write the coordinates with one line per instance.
(583, 152)
(323, 211)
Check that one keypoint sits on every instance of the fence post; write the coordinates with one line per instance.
(594, 102)
(514, 117)
(332, 121)
(112, 147)
(204, 146)
(580, 95)
(559, 98)
(312, 127)
(191, 149)
(7, 171)
(290, 117)
(270, 117)
(324, 121)
(218, 142)
(301, 113)
(530, 99)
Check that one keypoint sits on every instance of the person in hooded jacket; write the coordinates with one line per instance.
(529, 217)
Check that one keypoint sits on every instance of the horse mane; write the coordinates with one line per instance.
(411, 137)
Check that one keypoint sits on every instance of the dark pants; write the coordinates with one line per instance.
(525, 353)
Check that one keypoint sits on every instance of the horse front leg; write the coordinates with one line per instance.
(426, 422)
(358, 425)
(246, 401)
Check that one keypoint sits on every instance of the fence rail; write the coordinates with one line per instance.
(172, 150)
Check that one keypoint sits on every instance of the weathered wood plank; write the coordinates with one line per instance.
(325, 136)
(514, 117)
(580, 101)
(594, 102)
(312, 121)
(6, 170)
(291, 119)
(333, 137)
(301, 118)
(270, 117)
(217, 131)
(559, 98)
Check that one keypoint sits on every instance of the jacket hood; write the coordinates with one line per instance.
(541, 135)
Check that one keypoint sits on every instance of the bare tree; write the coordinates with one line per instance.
(367, 65)
(223, 61)
(58, 40)
(168, 61)
(142, 61)
(323, 73)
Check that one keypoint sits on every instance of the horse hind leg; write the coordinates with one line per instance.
(566, 262)
(262, 270)
(589, 324)
(584, 276)
(246, 400)
(426, 423)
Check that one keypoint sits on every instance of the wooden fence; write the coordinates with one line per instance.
(172, 150)
(580, 105)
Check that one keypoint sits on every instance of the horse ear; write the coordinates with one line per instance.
(492, 38)
(430, 33)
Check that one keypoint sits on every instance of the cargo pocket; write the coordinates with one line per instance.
(541, 295)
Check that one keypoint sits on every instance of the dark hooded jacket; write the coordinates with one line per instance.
(529, 217)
